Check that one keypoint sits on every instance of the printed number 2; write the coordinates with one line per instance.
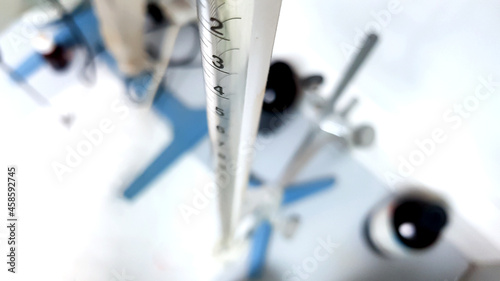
(218, 25)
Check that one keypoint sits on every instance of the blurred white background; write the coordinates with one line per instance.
(431, 58)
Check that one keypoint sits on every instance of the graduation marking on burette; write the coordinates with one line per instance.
(217, 62)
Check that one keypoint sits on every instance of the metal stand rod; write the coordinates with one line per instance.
(353, 68)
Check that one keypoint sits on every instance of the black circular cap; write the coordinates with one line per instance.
(418, 223)
(155, 12)
(281, 93)
(281, 88)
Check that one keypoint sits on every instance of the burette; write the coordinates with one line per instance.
(237, 38)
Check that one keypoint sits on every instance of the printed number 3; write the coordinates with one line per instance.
(219, 63)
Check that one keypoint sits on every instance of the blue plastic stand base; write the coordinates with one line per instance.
(190, 126)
